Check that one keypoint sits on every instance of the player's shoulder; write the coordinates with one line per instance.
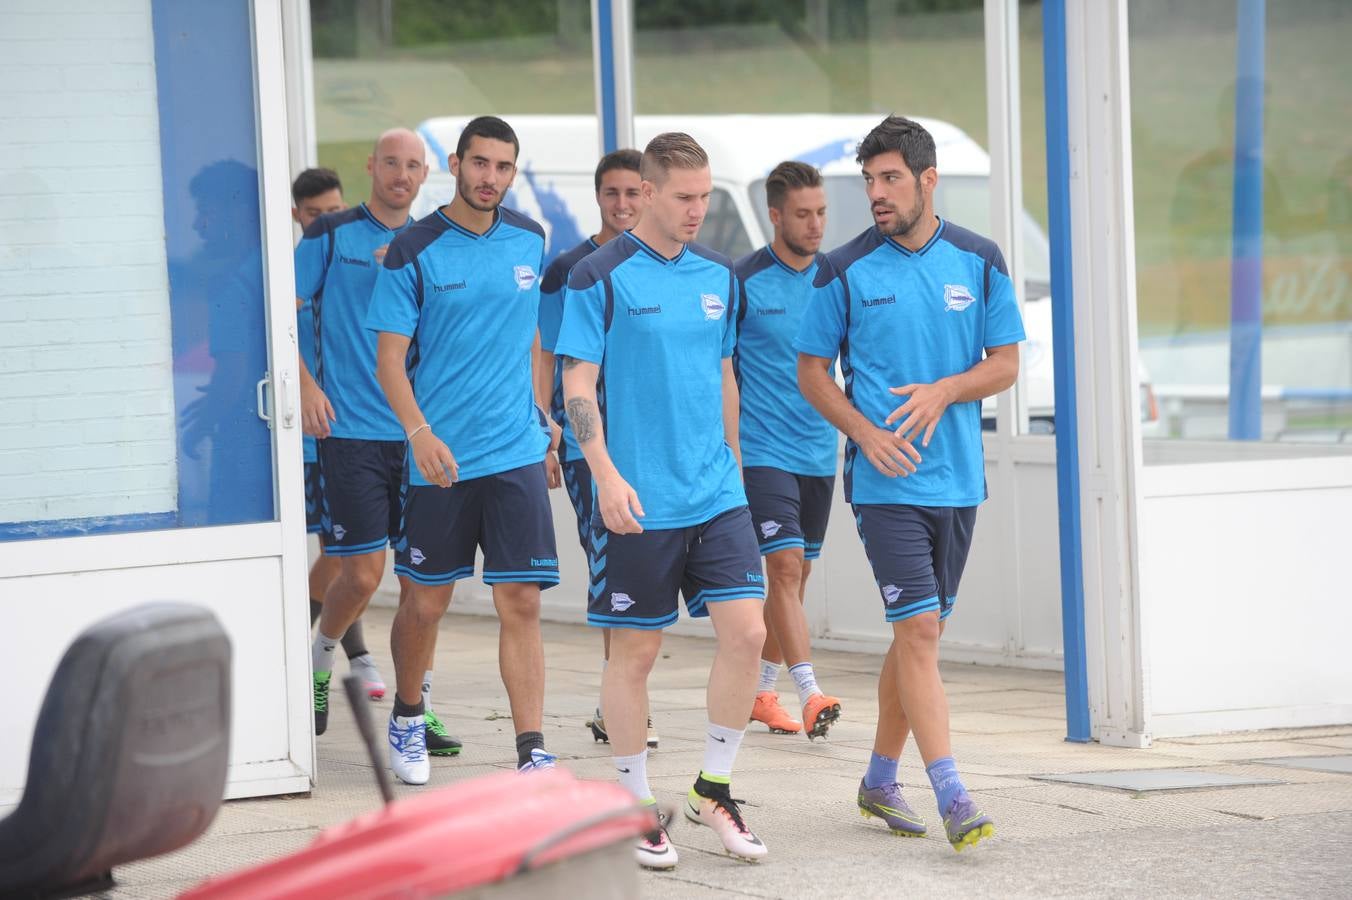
(709, 255)
(520, 221)
(753, 263)
(413, 240)
(835, 264)
(328, 223)
(968, 241)
(597, 265)
(556, 273)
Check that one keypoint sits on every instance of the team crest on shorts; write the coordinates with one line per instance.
(957, 298)
(891, 593)
(620, 602)
(525, 277)
(416, 556)
(338, 532)
(713, 306)
(769, 528)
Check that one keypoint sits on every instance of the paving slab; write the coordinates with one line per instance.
(1341, 765)
(1158, 780)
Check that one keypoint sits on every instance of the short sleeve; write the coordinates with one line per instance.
(312, 260)
(551, 317)
(582, 334)
(1003, 322)
(823, 327)
(735, 301)
(394, 299)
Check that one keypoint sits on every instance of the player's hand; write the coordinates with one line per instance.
(922, 410)
(619, 505)
(553, 471)
(555, 436)
(433, 459)
(315, 410)
(888, 452)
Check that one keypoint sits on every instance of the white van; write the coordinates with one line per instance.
(554, 186)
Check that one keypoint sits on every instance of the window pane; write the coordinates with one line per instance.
(1243, 174)
(132, 277)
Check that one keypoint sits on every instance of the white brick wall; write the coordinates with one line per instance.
(86, 380)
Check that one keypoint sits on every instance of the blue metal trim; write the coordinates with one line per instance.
(1063, 370)
(606, 66)
(1246, 246)
(57, 528)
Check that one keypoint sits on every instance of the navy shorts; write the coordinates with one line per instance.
(789, 510)
(507, 515)
(917, 554)
(314, 501)
(578, 480)
(359, 484)
(635, 577)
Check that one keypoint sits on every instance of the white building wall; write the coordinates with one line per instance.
(86, 393)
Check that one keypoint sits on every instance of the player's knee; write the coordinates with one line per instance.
(918, 633)
(517, 604)
(363, 573)
(785, 567)
(745, 640)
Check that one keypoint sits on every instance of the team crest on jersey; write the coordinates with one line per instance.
(620, 602)
(957, 298)
(891, 593)
(770, 528)
(713, 306)
(417, 557)
(525, 277)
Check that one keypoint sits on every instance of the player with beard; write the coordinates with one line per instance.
(918, 308)
(456, 305)
(788, 450)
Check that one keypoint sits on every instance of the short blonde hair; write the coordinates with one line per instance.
(671, 150)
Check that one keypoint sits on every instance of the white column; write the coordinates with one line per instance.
(300, 87)
(1107, 375)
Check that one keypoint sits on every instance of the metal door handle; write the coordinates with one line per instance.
(261, 392)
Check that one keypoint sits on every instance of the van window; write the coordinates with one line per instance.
(723, 229)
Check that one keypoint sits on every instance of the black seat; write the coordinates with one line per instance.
(129, 754)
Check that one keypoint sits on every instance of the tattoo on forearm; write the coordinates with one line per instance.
(570, 362)
(582, 416)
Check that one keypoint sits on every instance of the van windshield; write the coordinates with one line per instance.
(962, 199)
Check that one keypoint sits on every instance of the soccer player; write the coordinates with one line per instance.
(314, 193)
(652, 315)
(361, 446)
(788, 450)
(923, 310)
(456, 306)
(620, 199)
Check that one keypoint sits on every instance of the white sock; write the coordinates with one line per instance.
(633, 774)
(720, 749)
(427, 689)
(806, 680)
(769, 675)
(598, 693)
(321, 652)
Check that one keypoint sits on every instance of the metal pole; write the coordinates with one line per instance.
(613, 63)
(1246, 264)
(1063, 370)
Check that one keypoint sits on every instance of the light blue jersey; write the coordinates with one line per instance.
(336, 265)
(305, 337)
(778, 427)
(899, 317)
(659, 329)
(470, 303)
(552, 288)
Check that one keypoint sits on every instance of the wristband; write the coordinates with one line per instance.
(412, 434)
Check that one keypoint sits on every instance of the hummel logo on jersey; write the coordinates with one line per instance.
(891, 593)
(417, 557)
(957, 298)
(354, 261)
(645, 310)
(620, 602)
(447, 288)
(338, 532)
(525, 277)
(771, 311)
(880, 301)
(769, 528)
(713, 306)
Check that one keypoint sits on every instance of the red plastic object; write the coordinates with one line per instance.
(466, 836)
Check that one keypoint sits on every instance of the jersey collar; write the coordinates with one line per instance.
(379, 224)
(497, 220)
(934, 239)
(654, 254)
(790, 269)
